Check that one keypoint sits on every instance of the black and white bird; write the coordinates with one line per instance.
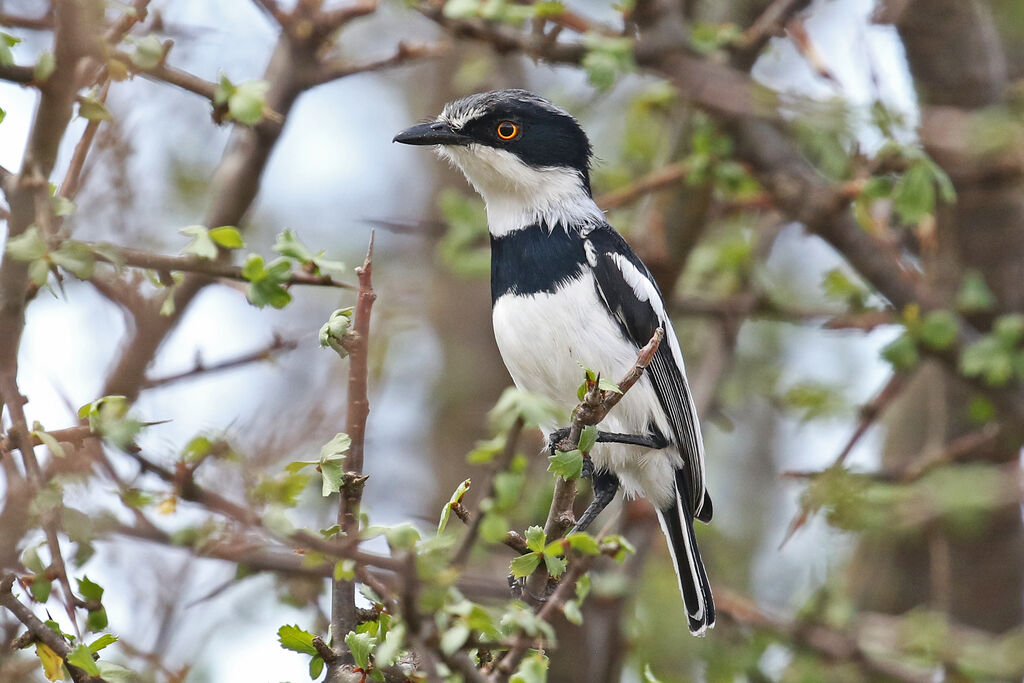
(567, 290)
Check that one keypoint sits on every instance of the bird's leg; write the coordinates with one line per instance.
(605, 485)
(656, 441)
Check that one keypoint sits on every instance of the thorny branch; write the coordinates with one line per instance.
(343, 606)
(38, 631)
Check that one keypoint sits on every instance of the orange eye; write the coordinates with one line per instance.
(507, 130)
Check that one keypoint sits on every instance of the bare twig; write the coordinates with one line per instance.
(659, 179)
(44, 22)
(200, 368)
(171, 75)
(343, 608)
(406, 52)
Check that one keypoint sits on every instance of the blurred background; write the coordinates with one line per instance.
(795, 359)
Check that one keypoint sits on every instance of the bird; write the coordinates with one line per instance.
(568, 291)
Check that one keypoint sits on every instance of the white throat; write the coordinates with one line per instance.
(518, 196)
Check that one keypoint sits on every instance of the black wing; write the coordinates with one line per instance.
(629, 291)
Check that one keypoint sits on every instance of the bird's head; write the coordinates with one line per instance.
(527, 157)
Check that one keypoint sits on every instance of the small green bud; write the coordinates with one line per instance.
(333, 333)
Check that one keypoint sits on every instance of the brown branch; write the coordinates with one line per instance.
(659, 179)
(44, 22)
(40, 632)
(17, 73)
(201, 369)
(330, 21)
(170, 75)
(274, 11)
(406, 52)
(72, 178)
(139, 258)
(343, 606)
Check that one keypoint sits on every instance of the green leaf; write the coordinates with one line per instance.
(295, 639)
(44, 68)
(649, 676)
(62, 206)
(247, 102)
(345, 570)
(202, 244)
(608, 385)
(94, 110)
(316, 667)
(914, 194)
(446, 511)
(336, 448)
(555, 565)
(7, 41)
(333, 477)
(588, 437)
(360, 645)
(455, 637)
(48, 440)
(333, 332)
(1009, 329)
(103, 641)
(493, 528)
(40, 588)
(974, 294)
(901, 352)
(514, 403)
(225, 89)
(81, 657)
(567, 465)
(89, 589)
(76, 258)
(939, 329)
(535, 539)
(524, 565)
(227, 236)
(390, 649)
(28, 246)
(290, 246)
(533, 669)
(148, 52)
(115, 673)
(584, 543)
(266, 281)
(607, 58)
(96, 620)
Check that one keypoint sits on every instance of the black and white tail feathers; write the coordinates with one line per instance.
(677, 523)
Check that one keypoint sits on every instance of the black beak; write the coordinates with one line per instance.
(435, 133)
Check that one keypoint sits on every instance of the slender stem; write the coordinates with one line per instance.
(343, 607)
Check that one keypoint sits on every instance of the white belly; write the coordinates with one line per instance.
(544, 338)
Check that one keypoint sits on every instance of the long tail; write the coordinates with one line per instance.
(677, 523)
